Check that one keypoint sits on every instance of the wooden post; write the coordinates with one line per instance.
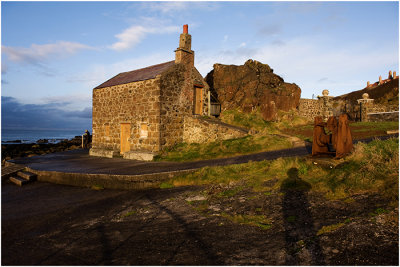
(209, 103)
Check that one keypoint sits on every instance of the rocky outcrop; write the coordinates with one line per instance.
(251, 86)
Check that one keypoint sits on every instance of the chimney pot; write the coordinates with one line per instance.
(185, 28)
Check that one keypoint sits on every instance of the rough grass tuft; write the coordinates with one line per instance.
(372, 167)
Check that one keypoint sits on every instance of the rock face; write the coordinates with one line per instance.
(250, 86)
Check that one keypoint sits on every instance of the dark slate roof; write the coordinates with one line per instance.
(137, 75)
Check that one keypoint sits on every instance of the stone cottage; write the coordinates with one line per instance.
(137, 113)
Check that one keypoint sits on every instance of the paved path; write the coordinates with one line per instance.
(79, 161)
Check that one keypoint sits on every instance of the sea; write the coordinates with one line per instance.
(9, 136)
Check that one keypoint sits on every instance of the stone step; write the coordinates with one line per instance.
(27, 175)
(10, 170)
(18, 180)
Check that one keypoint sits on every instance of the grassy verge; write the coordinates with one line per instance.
(372, 167)
(264, 140)
(245, 145)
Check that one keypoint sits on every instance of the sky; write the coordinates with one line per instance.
(54, 53)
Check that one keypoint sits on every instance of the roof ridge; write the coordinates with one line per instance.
(142, 74)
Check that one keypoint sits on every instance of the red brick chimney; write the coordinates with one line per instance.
(184, 53)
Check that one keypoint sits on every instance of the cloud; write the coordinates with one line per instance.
(33, 116)
(269, 30)
(37, 54)
(4, 68)
(174, 8)
(166, 7)
(136, 33)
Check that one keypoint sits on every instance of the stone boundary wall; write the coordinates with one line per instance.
(383, 116)
(109, 181)
(310, 108)
(199, 130)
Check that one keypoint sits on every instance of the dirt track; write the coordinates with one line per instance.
(46, 224)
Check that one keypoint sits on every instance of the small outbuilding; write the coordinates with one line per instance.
(139, 112)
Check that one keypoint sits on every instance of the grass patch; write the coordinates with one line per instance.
(230, 192)
(378, 211)
(251, 120)
(226, 148)
(372, 167)
(166, 185)
(291, 219)
(130, 213)
(376, 126)
(255, 220)
(97, 187)
(329, 228)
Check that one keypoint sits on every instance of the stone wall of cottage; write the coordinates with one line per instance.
(200, 130)
(177, 102)
(136, 103)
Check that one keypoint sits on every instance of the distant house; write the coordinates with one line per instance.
(137, 113)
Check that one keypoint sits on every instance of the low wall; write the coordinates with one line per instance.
(383, 116)
(200, 130)
(310, 108)
(110, 181)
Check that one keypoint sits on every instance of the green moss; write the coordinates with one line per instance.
(166, 185)
(130, 213)
(260, 221)
(329, 228)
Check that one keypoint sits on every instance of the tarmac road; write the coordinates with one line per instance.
(48, 224)
(79, 161)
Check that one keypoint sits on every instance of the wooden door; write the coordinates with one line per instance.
(125, 134)
(198, 106)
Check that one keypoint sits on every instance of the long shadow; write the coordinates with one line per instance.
(298, 221)
(211, 257)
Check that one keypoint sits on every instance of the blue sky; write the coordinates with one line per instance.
(55, 53)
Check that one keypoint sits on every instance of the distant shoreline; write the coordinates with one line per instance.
(39, 141)
(16, 148)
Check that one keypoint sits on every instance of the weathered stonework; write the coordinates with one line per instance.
(310, 108)
(360, 111)
(383, 116)
(135, 103)
(140, 112)
(200, 130)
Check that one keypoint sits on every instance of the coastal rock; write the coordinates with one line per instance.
(251, 86)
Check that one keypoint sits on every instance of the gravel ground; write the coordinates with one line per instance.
(47, 224)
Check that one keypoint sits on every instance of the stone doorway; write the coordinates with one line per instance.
(198, 104)
(125, 134)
